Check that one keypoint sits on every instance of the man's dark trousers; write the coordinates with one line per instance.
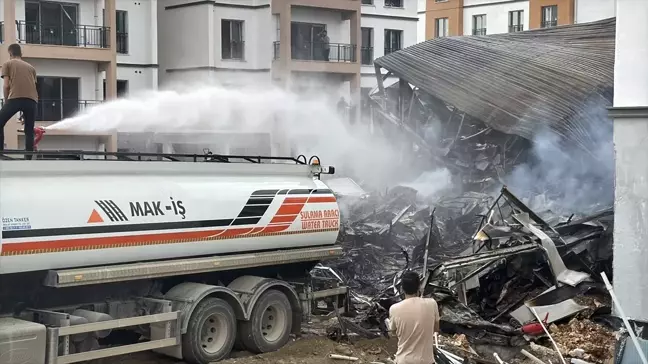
(10, 108)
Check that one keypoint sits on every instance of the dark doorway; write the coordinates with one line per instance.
(51, 23)
(305, 39)
(58, 98)
(122, 88)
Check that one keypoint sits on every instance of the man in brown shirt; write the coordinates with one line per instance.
(414, 320)
(20, 95)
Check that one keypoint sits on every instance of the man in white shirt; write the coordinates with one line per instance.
(414, 320)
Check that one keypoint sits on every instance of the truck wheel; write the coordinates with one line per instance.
(210, 333)
(270, 323)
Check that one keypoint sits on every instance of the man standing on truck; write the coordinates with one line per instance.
(414, 320)
(20, 95)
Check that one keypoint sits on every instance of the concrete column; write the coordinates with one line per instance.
(111, 67)
(285, 43)
(356, 34)
(111, 80)
(10, 34)
(154, 31)
(630, 115)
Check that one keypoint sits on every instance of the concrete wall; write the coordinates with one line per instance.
(338, 30)
(592, 10)
(89, 87)
(420, 27)
(139, 65)
(184, 36)
(378, 17)
(497, 14)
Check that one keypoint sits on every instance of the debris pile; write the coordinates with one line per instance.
(494, 266)
(503, 263)
(583, 339)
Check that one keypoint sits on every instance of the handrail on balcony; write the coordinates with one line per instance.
(318, 51)
(63, 34)
(549, 23)
(516, 28)
(366, 55)
(392, 50)
(479, 31)
(59, 109)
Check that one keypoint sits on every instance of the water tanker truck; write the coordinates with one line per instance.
(187, 255)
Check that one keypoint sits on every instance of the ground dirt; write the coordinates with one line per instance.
(306, 350)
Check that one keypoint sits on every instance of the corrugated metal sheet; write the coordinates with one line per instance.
(518, 82)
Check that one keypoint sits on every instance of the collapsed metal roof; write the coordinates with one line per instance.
(518, 83)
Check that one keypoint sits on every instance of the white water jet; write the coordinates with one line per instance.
(310, 124)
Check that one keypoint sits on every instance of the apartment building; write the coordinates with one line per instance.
(482, 17)
(263, 41)
(84, 52)
(386, 26)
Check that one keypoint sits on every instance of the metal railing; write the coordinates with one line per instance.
(480, 31)
(59, 109)
(366, 55)
(61, 34)
(391, 50)
(316, 51)
(233, 50)
(122, 42)
(516, 28)
(549, 23)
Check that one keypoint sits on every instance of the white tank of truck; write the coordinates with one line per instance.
(192, 253)
(65, 214)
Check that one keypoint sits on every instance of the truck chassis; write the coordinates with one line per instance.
(195, 322)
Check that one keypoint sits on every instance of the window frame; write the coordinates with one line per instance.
(479, 19)
(231, 45)
(519, 16)
(399, 34)
(437, 23)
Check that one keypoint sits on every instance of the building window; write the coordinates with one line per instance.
(549, 16)
(232, 44)
(394, 3)
(122, 88)
(58, 98)
(122, 31)
(393, 40)
(55, 23)
(516, 24)
(366, 51)
(367, 2)
(441, 27)
(479, 24)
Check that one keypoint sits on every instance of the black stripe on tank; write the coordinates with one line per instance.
(106, 229)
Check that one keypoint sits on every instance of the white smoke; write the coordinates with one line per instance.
(310, 124)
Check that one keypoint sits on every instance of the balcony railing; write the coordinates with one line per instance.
(549, 23)
(67, 35)
(316, 51)
(480, 31)
(366, 55)
(391, 50)
(59, 109)
(233, 50)
(516, 28)
(122, 42)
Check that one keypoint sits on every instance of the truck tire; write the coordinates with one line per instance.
(211, 332)
(270, 323)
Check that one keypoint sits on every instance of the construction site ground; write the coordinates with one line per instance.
(308, 349)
